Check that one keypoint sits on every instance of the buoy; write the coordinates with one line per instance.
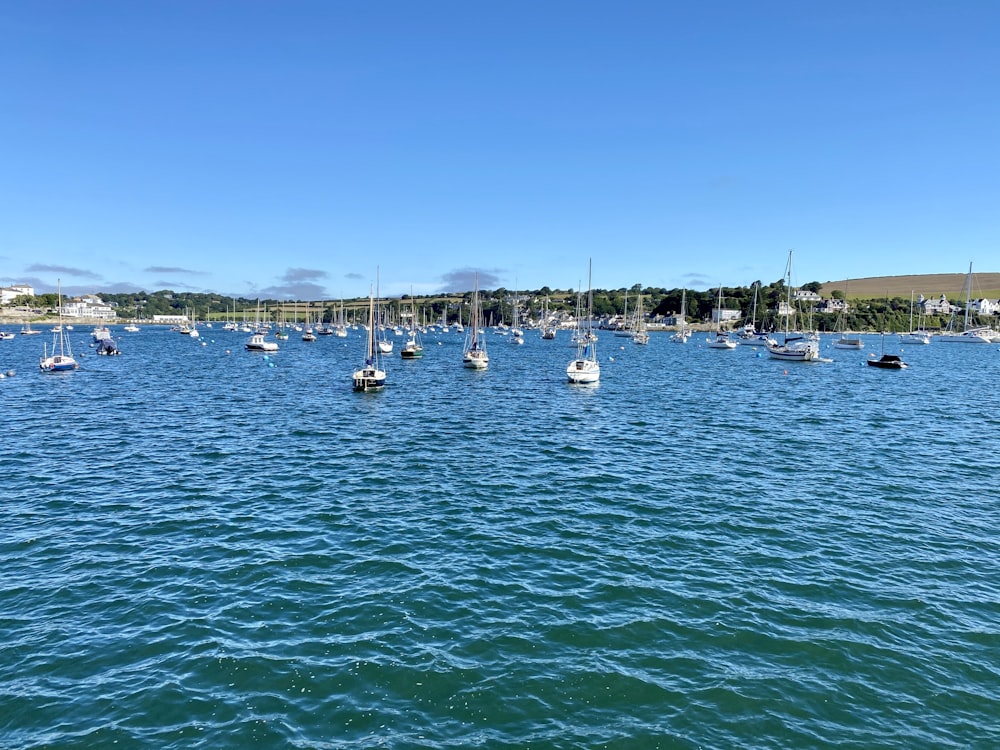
(228, 352)
(785, 372)
(759, 355)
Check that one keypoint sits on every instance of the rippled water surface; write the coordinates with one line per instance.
(207, 548)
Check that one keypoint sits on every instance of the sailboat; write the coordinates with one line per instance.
(474, 355)
(412, 349)
(722, 339)
(371, 376)
(845, 341)
(639, 333)
(975, 335)
(61, 360)
(794, 348)
(749, 335)
(27, 330)
(915, 335)
(585, 368)
(682, 334)
(516, 332)
(308, 334)
(548, 330)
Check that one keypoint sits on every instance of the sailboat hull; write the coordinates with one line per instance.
(801, 351)
(888, 362)
(476, 360)
(369, 379)
(583, 371)
(968, 337)
(59, 363)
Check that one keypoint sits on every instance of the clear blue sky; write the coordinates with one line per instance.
(289, 148)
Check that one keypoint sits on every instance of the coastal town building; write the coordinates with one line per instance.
(725, 315)
(804, 295)
(939, 306)
(985, 306)
(9, 293)
(170, 319)
(89, 306)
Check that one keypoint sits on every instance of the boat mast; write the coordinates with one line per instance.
(788, 293)
(369, 355)
(968, 295)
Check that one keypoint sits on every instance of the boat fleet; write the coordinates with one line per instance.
(583, 369)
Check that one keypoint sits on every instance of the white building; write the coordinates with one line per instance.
(804, 295)
(9, 293)
(724, 315)
(170, 319)
(985, 306)
(89, 306)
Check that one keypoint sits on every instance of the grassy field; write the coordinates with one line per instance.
(929, 285)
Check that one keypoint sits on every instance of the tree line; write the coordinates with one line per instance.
(498, 305)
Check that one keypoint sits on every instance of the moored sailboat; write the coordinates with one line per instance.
(845, 341)
(793, 348)
(474, 355)
(61, 358)
(412, 349)
(371, 376)
(915, 335)
(721, 339)
(585, 369)
(640, 335)
(968, 335)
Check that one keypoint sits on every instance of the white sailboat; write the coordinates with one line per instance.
(845, 341)
(973, 335)
(794, 348)
(548, 330)
(915, 335)
(371, 376)
(749, 335)
(61, 358)
(384, 344)
(639, 333)
(682, 334)
(412, 349)
(516, 332)
(722, 339)
(474, 354)
(585, 368)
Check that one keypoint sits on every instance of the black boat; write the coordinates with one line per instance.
(888, 362)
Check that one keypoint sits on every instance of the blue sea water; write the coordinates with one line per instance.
(208, 548)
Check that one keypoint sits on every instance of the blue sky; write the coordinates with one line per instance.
(288, 149)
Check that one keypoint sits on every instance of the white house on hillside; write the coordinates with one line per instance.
(985, 306)
(9, 293)
(88, 306)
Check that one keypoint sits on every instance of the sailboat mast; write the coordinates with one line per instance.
(590, 297)
(371, 325)
(968, 295)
